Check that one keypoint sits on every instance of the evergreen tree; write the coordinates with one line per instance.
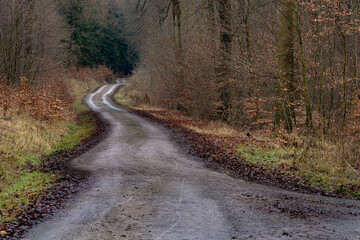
(96, 42)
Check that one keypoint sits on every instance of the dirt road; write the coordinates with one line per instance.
(144, 187)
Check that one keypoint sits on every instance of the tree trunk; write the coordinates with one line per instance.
(177, 29)
(28, 65)
(344, 80)
(332, 89)
(285, 47)
(356, 49)
(308, 111)
(244, 16)
(211, 19)
(225, 58)
(321, 74)
(179, 74)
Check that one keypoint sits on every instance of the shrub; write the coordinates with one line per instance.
(50, 101)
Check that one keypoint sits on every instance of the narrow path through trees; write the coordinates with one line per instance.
(144, 187)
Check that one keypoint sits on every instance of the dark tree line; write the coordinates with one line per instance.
(98, 39)
(39, 37)
(97, 36)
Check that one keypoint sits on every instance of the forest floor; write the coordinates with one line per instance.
(289, 161)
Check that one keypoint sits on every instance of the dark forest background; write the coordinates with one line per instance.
(39, 37)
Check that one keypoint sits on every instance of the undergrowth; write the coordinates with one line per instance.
(79, 131)
(123, 99)
(27, 139)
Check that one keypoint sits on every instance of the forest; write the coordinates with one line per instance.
(40, 37)
(42, 42)
(287, 69)
(290, 64)
(52, 55)
(280, 75)
(265, 91)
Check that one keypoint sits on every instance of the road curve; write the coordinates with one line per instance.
(144, 187)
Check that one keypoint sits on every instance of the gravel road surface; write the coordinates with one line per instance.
(144, 186)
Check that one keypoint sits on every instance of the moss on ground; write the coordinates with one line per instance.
(19, 194)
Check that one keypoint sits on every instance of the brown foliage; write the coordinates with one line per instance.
(99, 73)
(50, 98)
(45, 102)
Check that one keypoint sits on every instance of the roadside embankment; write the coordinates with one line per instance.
(35, 178)
(290, 161)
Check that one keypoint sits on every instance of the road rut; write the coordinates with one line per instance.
(143, 186)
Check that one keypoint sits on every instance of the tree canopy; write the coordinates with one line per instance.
(97, 36)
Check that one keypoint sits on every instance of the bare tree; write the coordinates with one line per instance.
(225, 21)
(31, 34)
(286, 84)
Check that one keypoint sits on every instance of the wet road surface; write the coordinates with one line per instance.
(143, 186)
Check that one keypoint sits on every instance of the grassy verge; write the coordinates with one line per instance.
(295, 162)
(25, 140)
(123, 99)
(317, 166)
(28, 187)
(79, 131)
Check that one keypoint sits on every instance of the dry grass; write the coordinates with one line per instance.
(123, 99)
(28, 135)
(168, 114)
(216, 128)
(129, 97)
(137, 91)
(340, 159)
(80, 89)
(146, 107)
(25, 139)
(129, 100)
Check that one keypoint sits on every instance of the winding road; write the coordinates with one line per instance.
(144, 186)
